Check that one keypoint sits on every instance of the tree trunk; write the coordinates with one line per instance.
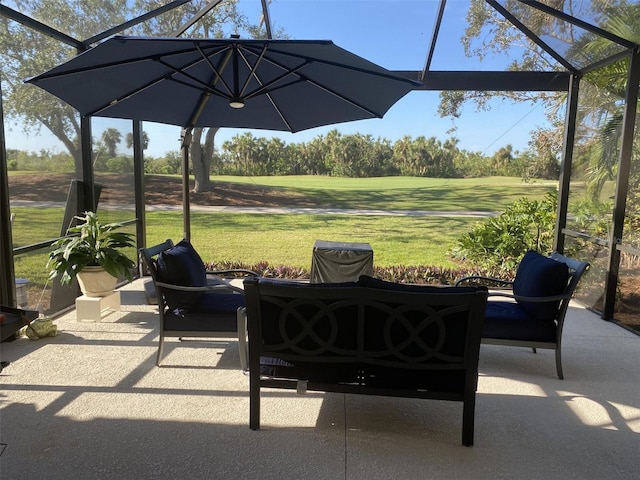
(56, 127)
(201, 158)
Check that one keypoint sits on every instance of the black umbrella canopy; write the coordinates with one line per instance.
(288, 85)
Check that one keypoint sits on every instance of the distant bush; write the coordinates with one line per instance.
(120, 164)
(170, 164)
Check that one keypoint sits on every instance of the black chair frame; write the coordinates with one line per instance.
(577, 269)
(213, 325)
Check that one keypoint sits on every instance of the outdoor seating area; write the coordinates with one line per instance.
(152, 114)
(90, 403)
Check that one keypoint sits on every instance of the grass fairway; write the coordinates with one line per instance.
(405, 193)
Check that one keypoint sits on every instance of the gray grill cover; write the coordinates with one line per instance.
(335, 262)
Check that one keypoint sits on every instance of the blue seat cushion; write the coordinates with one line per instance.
(540, 276)
(213, 302)
(181, 265)
(200, 322)
(508, 320)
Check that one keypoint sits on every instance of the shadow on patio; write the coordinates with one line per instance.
(90, 403)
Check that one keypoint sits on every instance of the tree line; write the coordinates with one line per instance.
(334, 154)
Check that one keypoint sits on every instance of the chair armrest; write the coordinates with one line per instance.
(476, 278)
(222, 277)
(244, 272)
(520, 298)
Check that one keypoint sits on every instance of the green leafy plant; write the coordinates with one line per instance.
(90, 243)
(499, 243)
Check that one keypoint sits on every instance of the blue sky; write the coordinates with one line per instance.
(396, 35)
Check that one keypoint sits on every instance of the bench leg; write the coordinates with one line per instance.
(468, 418)
(254, 406)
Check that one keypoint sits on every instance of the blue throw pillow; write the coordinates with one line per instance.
(181, 265)
(540, 276)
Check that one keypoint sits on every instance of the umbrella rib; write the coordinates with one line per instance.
(180, 71)
(252, 72)
(308, 58)
(54, 74)
(303, 78)
(125, 96)
(280, 113)
(335, 94)
(207, 89)
(215, 70)
(166, 76)
(262, 87)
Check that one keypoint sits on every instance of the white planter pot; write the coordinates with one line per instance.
(94, 281)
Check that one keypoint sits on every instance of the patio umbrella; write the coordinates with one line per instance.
(288, 85)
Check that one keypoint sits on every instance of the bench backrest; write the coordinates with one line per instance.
(375, 329)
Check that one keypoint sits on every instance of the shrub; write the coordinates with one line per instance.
(418, 274)
(497, 244)
(119, 165)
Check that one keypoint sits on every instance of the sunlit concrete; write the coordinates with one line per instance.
(91, 404)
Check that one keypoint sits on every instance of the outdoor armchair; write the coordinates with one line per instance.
(532, 310)
(192, 301)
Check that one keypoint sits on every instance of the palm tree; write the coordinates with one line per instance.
(111, 137)
(145, 140)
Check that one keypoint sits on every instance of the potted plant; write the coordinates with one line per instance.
(92, 255)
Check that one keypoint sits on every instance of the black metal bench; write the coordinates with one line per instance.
(404, 341)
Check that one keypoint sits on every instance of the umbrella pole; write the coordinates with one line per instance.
(186, 208)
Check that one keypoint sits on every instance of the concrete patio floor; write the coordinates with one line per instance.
(90, 404)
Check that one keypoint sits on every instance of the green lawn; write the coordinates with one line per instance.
(279, 239)
(288, 239)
